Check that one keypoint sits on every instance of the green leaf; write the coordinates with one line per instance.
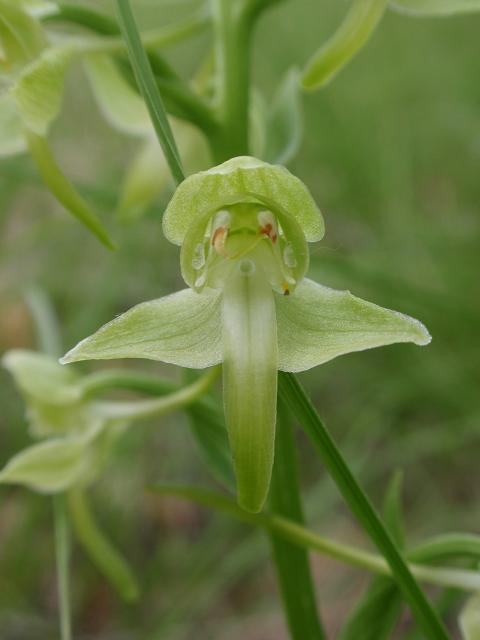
(375, 614)
(120, 103)
(183, 328)
(436, 7)
(12, 138)
(237, 180)
(357, 27)
(316, 324)
(149, 89)
(21, 36)
(446, 546)
(284, 126)
(392, 509)
(292, 561)
(250, 382)
(470, 619)
(63, 189)
(38, 91)
(51, 466)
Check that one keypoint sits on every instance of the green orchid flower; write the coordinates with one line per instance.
(76, 430)
(34, 63)
(243, 227)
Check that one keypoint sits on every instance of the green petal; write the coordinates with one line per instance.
(359, 24)
(12, 138)
(51, 466)
(469, 621)
(53, 394)
(21, 36)
(436, 7)
(39, 89)
(41, 377)
(317, 323)
(121, 105)
(183, 328)
(250, 383)
(238, 180)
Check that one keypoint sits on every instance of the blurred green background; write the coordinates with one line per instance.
(391, 152)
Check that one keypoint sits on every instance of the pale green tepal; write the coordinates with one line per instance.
(243, 227)
(75, 431)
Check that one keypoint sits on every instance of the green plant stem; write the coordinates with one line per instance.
(291, 560)
(463, 579)
(62, 551)
(300, 405)
(232, 41)
(130, 380)
(99, 548)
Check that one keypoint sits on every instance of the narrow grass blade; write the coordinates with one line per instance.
(300, 405)
(291, 561)
(375, 614)
(148, 88)
(100, 550)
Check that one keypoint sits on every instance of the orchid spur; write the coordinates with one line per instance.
(243, 227)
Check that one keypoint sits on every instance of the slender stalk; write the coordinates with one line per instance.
(83, 17)
(49, 340)
(464, 579)
(300, 405)
(62, 551)
(110, 42)
(291, 560)
(232, 41)
(140, 409)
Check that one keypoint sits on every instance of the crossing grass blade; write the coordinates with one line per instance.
(149, 89)
(301, 407)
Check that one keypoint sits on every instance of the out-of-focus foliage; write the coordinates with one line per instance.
(391, 153)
